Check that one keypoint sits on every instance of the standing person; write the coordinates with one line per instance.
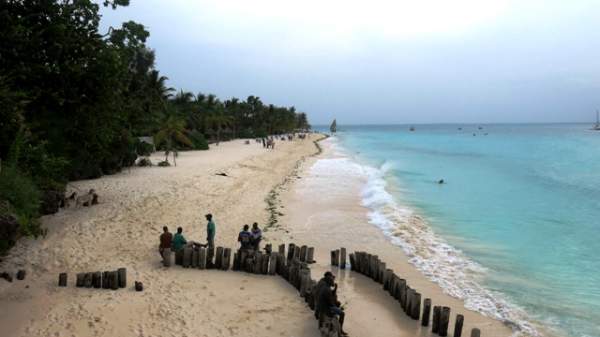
(211, 231)
(178, 242)
(245, 238)
(264, 142)
(164, 247)
(256, 236)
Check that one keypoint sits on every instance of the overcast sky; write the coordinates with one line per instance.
(377, 61)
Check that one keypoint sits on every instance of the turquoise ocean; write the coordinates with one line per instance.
(515, 228)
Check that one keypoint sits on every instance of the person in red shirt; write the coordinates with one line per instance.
(165, 246)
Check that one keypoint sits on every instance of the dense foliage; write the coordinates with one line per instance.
(73, 101)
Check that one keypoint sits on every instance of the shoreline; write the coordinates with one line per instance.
(347, 225)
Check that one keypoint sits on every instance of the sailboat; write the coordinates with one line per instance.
(597, 125)
(333, 127)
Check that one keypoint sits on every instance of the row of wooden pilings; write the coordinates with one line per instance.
(409, 299)
(293, 266)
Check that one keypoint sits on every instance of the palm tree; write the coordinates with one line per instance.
(218, 120)
(172, 130)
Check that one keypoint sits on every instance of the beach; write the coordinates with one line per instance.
(123, 230)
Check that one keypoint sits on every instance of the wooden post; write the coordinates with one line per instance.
(62, 279)
(226, 262)
(195, 258)
(210, 257)
(268, 248)
(122, 274)
(415, 310)
(87, 280)
(273, 263)
(380, 271)
(352, 262)
(343, 258)
(105, 280)
(264, 269)
(403, 291)
(113, 276)
(282, 249)
(409, 298)
(291, 248)
(386, 279)
(97, 279)
(21, 274)
(219, 258)
(475, 332)
(435, 321)
(303, 251)
(236, 261)
(426, 312)
(79, 280)
(444, 321)
(458, 325)
(310, 253)
(202, 258)
(187, 257)
(297, 253)
(257, 263)
(280, 261)
(335, 257)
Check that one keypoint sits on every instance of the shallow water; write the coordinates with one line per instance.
(515, 228)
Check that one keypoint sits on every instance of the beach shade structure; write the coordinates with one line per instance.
(122, 274)
(62, 279)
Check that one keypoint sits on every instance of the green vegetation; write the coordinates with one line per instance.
(73, 101)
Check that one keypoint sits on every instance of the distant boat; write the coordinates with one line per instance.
(333, 127)
(412, 128)
(597, 125)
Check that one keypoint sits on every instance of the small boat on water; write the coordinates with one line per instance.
(597, 125)
(412, 128)
(333, 127)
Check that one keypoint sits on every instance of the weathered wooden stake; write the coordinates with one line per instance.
(264, 269)
(352, 262)
(335, 257)
(343, 258)
(310, 253)
(380, 271)
(202, 258)
(475, 332)
(62, 279)
(79, 280)
(219, 258)
(409, 298)
(236, 261)
(122, 274)
(187, 257)
(226, 262)
(291, 249)
(303, 251)
(282, 249)
(444, 321)
(458, 325)
(258, 256)
(415, 304)
(435, 321)
(105, 280)
(273, 263)
(21, 274)
(114, 280)
(195, 258)
(97, 279)
(426, 312)
(87, 280)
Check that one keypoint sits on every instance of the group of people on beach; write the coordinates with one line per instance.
(170, 243)
(250, 240)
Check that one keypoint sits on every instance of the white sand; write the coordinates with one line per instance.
(123, 230)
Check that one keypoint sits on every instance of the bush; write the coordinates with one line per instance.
(163, 163)
(143, 149)
(24, 198)
(144, 162)
(198, 140)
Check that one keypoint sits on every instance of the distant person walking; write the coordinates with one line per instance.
(178, 242)
(211, 231)
(164, 247)
(256, 236)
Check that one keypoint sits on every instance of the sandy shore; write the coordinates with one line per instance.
(123, 230)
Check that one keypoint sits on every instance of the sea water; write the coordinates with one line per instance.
(514, 230)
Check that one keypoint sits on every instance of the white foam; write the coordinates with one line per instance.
(442, 263)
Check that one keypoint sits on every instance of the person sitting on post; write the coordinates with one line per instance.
(256, 236)
(178, 243)
(328, 302)
(245, 238)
